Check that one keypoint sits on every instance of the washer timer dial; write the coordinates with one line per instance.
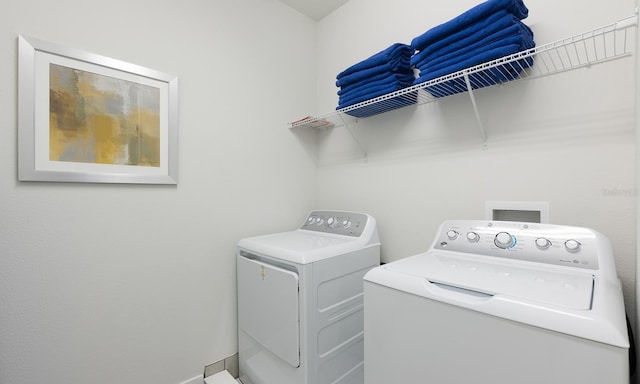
(504, 240)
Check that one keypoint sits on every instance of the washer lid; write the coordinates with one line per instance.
(518, 280)
(300, 246)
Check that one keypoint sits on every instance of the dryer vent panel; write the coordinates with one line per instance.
(524, 211)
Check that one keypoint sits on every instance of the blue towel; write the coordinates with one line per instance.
(473, 15)
(521, 42)
(392, 58)
(482, 56)
(477, 31)
(370, 93)
(383, 79)
(364, 74)
(456, 51)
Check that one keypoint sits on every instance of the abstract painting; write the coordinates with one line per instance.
(101, 119)
(89, 118)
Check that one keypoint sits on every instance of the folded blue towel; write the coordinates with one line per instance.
(482, 56)
(521, 41)
(392, 57)
(370, 93)
(377, 77)
(497, 21)
(515, 33)
(383, 79)
(473, 15)
(514, 44)
(403, 67)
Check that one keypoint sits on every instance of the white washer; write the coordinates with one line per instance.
(300, 299)
(500, 303)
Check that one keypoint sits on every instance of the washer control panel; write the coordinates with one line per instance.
(336, 222)
(543, 243)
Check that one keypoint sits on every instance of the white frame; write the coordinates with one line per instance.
(33, 127)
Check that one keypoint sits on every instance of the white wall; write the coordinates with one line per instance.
(136, 284)
(567, 139)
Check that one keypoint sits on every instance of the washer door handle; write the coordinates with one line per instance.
(455, 293)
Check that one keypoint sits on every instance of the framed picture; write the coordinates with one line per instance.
(83, 117)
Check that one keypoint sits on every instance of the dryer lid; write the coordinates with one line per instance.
(518, 280)
(300, 246)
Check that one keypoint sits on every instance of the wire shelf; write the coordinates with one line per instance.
(610, 42)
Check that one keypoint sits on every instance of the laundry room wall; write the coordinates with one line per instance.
(136, 284)
(566, 139)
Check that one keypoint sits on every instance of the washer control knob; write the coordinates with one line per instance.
(311, 220)
(346, 223)
(319, 221)
(572, 245)
(473, 237)
(452, 235)
(542, 243)
(332, 222)
(504, 240)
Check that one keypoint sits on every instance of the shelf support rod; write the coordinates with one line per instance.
(353, 135)
(483, 134)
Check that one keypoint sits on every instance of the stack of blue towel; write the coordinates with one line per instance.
(486, 32)
(385, 72)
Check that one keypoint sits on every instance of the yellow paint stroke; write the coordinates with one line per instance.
(106, 139)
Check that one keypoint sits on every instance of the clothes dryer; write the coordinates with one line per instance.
(501, 303)
(300, 300)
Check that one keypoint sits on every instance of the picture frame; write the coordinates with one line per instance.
(87, 118)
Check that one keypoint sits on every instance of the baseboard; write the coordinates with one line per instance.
(230, 364)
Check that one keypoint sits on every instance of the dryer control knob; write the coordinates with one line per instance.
(504, 240)
(473, 237)
(572, 245)
(452, 235)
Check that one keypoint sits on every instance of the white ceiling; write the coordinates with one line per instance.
(315, 9)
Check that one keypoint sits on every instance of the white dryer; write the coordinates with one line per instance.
(300, 300)
(500, 303)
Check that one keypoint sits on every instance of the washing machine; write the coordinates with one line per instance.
(500, 303)
(300, 300)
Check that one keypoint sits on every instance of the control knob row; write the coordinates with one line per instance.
(505, 240)
(471, 236)
(332, 222)
(570, 245)
(315, 220)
